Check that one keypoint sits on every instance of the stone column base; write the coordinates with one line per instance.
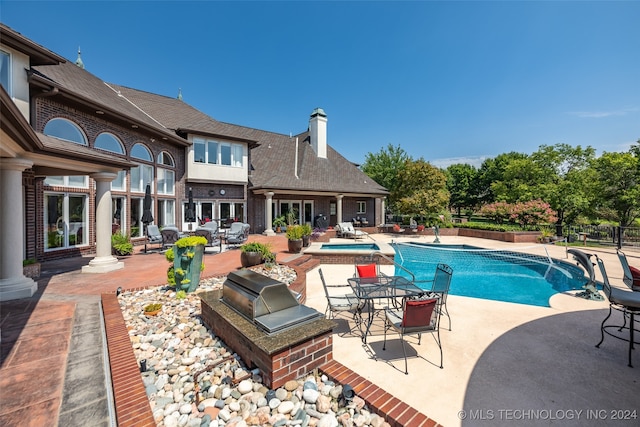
(269, 232)
(17, 287)
(103, 265)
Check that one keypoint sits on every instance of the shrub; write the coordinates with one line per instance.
(306, 230)
(121, 244)
(294, 232)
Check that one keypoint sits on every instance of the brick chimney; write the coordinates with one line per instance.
(318, 132)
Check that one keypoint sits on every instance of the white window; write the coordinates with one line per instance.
(76, 181)
(5, 71)
(141, 175)
(218, 153)
(362, 207)
(166, 181)
(65, 220)
(166, 212)
(119, 184)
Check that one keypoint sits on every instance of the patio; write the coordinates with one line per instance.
(503, 363)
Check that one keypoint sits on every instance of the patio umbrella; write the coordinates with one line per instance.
(147, 216)
(190, 214)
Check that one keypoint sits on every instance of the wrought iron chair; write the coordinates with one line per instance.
(340, 302)
(211, 234)
(417, 317)
(170, 235)
(631, 274)
(627, 302)
(440, 286)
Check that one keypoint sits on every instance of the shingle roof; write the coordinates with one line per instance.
(272, 154)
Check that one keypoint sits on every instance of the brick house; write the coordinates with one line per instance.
(85, 150)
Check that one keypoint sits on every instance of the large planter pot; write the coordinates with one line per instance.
(248, 259)
(295, 246)
(187, 260)
(306, 241)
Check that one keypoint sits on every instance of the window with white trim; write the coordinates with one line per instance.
(362, 207)
(142, 174)
(166, 177)
(66, 130)
(218, 153)
(5, 71)
(109, 142)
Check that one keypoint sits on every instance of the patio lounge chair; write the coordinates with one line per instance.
(628, 302)
(238, 233)
(346, 229)
(153, 237)
(417, 317)
(631, 274)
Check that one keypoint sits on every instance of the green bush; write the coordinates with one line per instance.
(121, 244)
(263, 248)
(306, 230)
(294, 232)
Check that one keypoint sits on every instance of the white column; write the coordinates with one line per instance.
(339, 208)
(382, 211)
(104, 261)
(13, 284)
(268, 231)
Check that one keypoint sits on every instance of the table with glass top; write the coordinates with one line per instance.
(378, 292)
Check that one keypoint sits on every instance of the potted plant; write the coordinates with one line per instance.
(545, 236)
(121, 244)
(186, 255)
(294, 236)
(279, 222)
(253, 253)
(306, 235)
(152, 309)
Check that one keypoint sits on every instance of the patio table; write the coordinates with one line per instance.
(381, 288)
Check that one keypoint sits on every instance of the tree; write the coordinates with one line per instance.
(423, 188)
(492, 170)
(385, 168)
(617, 186)
(460, 183)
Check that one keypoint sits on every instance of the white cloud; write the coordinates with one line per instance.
(471, 160)
(602, 114)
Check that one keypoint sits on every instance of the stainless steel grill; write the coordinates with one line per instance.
(265, 301)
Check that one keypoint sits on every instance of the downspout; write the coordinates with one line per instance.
(295, 166)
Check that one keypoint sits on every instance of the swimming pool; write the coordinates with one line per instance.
(495, 275)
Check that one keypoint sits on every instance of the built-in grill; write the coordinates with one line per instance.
(265, 301)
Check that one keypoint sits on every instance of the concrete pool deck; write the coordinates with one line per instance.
(504, 363)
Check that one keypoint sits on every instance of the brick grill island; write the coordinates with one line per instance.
(280, 356)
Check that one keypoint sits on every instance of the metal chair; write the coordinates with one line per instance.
(153, 237)
(211, 235)
(440, 286)
(417, 317)
(627, 302)
(170, 235)
(340, 302)
(631, 274)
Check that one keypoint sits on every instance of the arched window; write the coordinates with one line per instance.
(142, 174)
(139, 151)
(65, 129)
(109, 142)
(165, 159)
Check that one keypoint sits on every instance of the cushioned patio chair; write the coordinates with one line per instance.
(211, 234)
(631, 274)
(417, 317)
(625, 301)
(347, 230)
(238, 233)
(154, 237)
(170, 235)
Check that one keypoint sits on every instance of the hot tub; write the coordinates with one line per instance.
(344, 251)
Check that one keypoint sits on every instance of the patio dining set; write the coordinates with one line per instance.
(235, 235)
(402, 305)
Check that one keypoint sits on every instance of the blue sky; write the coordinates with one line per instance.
(444, 80)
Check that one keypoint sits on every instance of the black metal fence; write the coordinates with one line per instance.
(627, 237)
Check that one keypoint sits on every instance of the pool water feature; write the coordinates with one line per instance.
(500, 276)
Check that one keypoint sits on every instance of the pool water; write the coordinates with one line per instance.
(350, 247)
(480, 274)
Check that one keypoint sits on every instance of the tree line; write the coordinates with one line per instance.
(578, 186)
